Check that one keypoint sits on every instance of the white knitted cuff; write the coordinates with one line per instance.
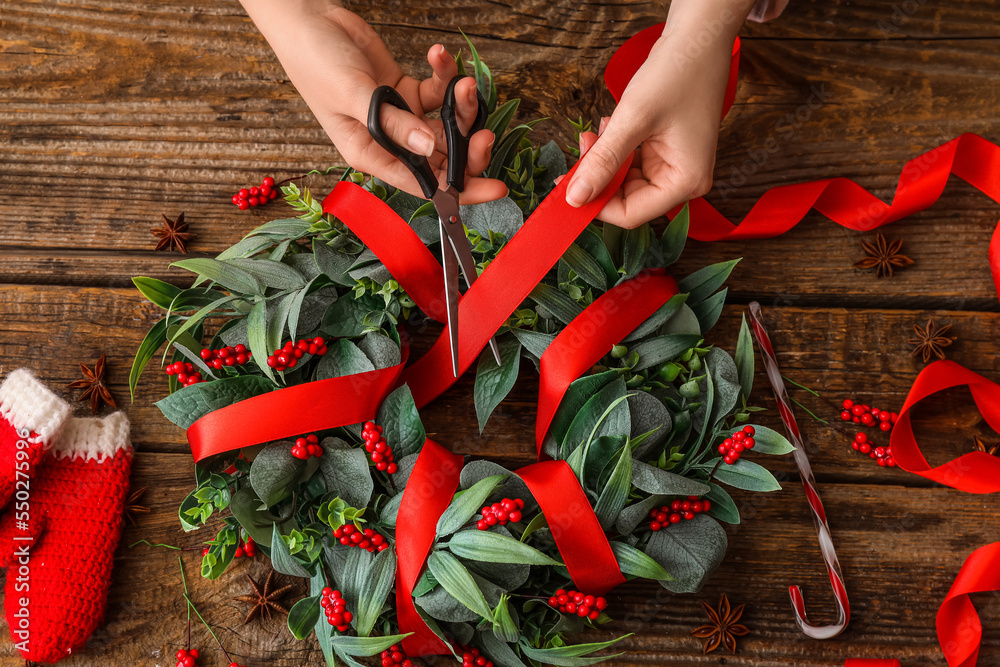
(28, 404)
(93, 437)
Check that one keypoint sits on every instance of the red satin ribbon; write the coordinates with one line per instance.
(303, 408)
(429, 490)
(590, 336)
(578, 534)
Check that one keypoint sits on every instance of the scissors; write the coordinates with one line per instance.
(456, 252)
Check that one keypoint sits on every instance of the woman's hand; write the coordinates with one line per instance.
(668, 116)
(336, 61)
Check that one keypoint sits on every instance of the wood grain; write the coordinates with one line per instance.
(114, 112)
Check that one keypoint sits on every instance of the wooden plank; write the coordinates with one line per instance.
(144, 112)
(900, 550)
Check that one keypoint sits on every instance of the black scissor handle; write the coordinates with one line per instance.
(417, 164)
(458, 143)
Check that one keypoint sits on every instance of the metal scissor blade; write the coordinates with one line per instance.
(446, 203)
(451, 294)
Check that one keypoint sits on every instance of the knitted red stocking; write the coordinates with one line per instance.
(31, 417)
(57, 585)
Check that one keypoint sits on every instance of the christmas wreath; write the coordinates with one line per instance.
(303, 418)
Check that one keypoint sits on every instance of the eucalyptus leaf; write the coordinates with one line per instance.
(381, 350)
(577, 394)
(674, 237)
(400, 422)
(725, 383)
(556, 302)
(534, 342)
(635, 249)
(345, 470)
(585, 266)
(342, 358)
(270, 273)
(634, 562)
(570, 655)
(690, 551)
(303, 615)
(186, 406)
(684, 321)
(375, 587)
(709, 310)
(745, 357)
(487, 546)
(703, 282)
(458, 582)
(332, 264)
(617, 422)
(231, 277)
(769, 441)
(653, 480)
(723, 507)
(365, 646)
(648, 414)
(634, 514)
(613, 497)
(748, 476)
(283, 561)
(500, 653)
(501, 216)
(658, 318)
(514, 487)
(655, 351)
(275, 472)
(160, 293)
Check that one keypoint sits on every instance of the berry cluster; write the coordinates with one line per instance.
(867, 415)
(256, 196)
(395, 657)
(286, 357)
(245, 547)
(226, 356)
(306, 447)
(187, 657)
(734, 446)
(473, 658)
(575, 602)
(368, 539)
(500, 513)
(335, 606)
(185, 371)
(882, 455)
(677, 511)
(380, 451)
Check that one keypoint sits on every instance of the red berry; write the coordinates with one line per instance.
(885, 426)
(857, 410)
(243, 193)
(846, 415)
(848, 404)
(268, 182)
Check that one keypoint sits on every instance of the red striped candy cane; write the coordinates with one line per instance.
(809, 484)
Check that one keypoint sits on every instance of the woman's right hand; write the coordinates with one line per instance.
(336, 61)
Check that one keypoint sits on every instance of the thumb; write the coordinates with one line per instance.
(602, 161)
(407, 130)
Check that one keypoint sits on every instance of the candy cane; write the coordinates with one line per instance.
(809, 483)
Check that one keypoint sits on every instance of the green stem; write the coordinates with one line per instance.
(800, 386)
(167, 546)
(193, 608)
(809, 412)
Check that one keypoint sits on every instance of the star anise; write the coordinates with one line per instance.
(931, 340)
(93, 385)
(883, 256)
(981, 446)
(266, 602)
(173, 235)
(133, 508)
(722, 627)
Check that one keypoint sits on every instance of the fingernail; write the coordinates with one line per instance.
(421, 143)
(472, 96)
(579, 193)
(441, 50)
(603, 124)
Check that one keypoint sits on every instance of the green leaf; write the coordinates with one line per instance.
(614, 496)
(459, 584)
(747, 475)
(674, 237)
(487, 546)
(323, 630)
(657, 319)
(649, 414)
(258, 522)
(365, 646)
(186, 406)
(579, 392)
(500, 118)
(270, 273)
(702, 283)
(334, 265)
(374, 590)
(684, 321)
(690, 550)
(251, 245)
(653, 480)
(502, 216)
(725, 383)
(594, 420)
(295, 301)
(275, 472)
(342, 358)
(635, 250)
(709, 310)
(569, 656)
(723, 507)
(634, 514)
(400, 422)
(155, 337)
(283, 228)
(345, 318)
(160, 293)
(504, 627)
(500, 653)
(282, 560)
(303, 615)
(585, 266)
(744, 357)
(655, 351)
(638, 564)
(345, 470)
(195, 320)
(592, 241)
(257, 337)
(534, 342)
(493, 382)
(769, 441)
(231, 277)
(554, 300)
(381, 350)
(466, 504)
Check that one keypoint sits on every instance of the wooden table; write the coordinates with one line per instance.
(115, 112)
